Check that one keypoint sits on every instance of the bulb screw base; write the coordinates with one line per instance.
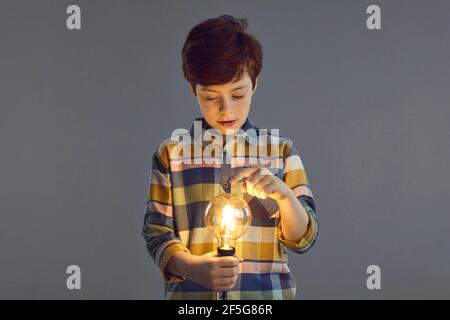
(226, 252)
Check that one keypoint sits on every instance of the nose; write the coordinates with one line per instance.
(226, 105)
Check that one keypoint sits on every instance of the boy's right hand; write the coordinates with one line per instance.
(215, 272)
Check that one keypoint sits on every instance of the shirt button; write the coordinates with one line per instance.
(226, 185)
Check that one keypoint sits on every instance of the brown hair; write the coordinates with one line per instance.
(219, 51)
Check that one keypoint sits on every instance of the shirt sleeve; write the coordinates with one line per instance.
(158, 230)
(294, 175)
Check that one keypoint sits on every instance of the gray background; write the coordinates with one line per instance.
(83, 111)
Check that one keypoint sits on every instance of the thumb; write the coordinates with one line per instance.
(211, 254)
(244, 188)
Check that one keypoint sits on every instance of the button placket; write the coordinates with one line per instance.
(226, 171)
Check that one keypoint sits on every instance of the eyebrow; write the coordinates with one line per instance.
(240, 87)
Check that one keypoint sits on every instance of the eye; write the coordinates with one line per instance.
(211, 98)
(238, 97)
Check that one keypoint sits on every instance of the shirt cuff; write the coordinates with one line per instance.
(168, 252)
(307, 240)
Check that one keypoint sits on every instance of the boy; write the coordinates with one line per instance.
(222, 62)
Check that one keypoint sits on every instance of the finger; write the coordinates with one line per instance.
(269, 190)
(225, 284)
(212, 254)
(265, 172)
(228, 261)
(251, 173)
(261, 187)
(255, 177)
(252, 181)
(227, 288)
(228, 272)
(243, 173)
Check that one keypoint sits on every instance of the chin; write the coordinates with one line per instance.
(231, 131)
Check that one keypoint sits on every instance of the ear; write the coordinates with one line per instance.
(256, 85)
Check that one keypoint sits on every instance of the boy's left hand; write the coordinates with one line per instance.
(262, 183)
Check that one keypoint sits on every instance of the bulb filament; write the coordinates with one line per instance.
(227, 225)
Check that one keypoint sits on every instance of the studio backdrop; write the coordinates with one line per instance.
(363, 91)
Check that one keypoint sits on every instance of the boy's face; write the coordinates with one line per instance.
(226, 107)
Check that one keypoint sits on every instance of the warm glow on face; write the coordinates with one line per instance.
(225, 103)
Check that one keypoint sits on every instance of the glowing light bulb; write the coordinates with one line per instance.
(227, 218)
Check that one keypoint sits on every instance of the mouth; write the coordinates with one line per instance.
(228, 123)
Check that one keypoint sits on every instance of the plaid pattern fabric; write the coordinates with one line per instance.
(182, 185)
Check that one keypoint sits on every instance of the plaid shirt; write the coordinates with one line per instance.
(180, 191)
